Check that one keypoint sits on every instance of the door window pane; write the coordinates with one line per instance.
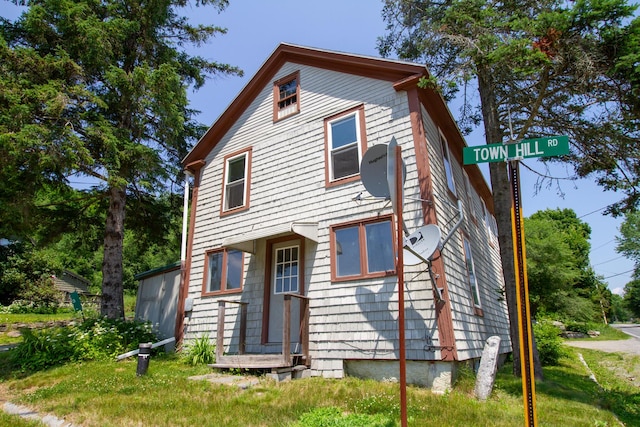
(286, 270)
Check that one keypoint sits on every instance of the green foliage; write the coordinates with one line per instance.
(561, 282)
(93, 339)
(25, 274)
(550, 346)
(201, 352)
(619, 311)
(98, 89)
(334, 417)
(632, 297)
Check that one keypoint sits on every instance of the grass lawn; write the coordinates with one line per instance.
(110, 394)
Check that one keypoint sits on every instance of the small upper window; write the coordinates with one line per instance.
(448, 168)
(345, 145)
(472, 279)
(223, 271)
(363, 249)
(236, 181)
(286, 96)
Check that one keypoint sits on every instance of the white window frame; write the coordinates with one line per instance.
(290, 276)
(246, 155)
(360, 143)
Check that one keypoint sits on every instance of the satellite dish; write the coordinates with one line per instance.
(373, 171)
(420, 245)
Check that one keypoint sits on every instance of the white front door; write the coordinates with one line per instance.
(285, 279)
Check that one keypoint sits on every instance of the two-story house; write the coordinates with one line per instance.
(290, 262)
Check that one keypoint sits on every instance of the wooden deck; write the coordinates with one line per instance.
(285, 359)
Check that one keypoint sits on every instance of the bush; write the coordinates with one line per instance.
(550, 346)
(201, 351)
(93, 339)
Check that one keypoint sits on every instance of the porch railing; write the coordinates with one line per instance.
(243, 360)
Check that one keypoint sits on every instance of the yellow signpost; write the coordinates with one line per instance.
(522, 297)
(512, 153)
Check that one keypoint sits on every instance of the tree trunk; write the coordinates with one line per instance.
(501, 189)
(112, 302)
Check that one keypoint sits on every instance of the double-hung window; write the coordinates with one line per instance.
(235, 194)
(345, 144)
(448, 167)
(472, 279)
(286, 96)
(362, 249)
(223, 271)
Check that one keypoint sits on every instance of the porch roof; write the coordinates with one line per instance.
(246, 242)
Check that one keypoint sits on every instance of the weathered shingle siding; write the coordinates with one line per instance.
(351, 319)
(471, 330)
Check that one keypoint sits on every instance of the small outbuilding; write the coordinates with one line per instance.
(69, 282)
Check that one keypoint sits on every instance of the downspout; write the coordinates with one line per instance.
(185, 217)
(188, 221)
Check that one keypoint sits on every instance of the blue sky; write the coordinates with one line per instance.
(255, 28)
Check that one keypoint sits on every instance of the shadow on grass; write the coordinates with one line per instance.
(562, 382)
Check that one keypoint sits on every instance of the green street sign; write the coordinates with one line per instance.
(547, 146)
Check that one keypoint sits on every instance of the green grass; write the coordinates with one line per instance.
(110, 394)
(12, 319)
(608, 333)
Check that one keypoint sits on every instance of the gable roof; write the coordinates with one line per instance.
(403, 74)
(70, 282)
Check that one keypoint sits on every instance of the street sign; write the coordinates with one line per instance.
(547, 146)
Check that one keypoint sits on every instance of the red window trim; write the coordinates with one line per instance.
(205, 277)
(327, 150)
(247, 178)
(363, 245)
(276, 95)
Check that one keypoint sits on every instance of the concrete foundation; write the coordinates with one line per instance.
(438, 376)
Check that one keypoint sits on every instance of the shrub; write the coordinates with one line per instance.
(550, 346)
(93, 339)
(201, 351)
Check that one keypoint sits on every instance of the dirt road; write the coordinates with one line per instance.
(631, 346)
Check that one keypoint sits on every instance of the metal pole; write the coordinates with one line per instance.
(522, 297)
(400, 272)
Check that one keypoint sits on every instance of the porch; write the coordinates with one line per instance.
(285, 360)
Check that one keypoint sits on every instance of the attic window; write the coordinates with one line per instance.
(286, 96)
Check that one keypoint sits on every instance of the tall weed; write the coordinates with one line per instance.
(201, 351)
(93, 339)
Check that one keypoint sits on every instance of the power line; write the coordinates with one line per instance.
(602, 245)
(609, 260)
(592, 212)
(619, 274)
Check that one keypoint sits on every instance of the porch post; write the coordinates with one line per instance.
(220, 334)
(286, 330)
